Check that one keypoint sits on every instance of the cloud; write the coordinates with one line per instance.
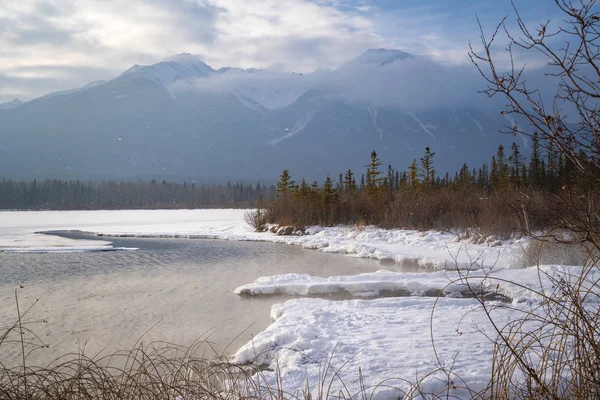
(412, 84)
(115, 34)
(108, 36)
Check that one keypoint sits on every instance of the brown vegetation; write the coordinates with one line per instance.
(498, 202)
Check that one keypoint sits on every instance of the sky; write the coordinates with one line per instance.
(53, 45)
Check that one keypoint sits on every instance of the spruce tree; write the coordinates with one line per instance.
(515, 160)
(349, 183)
(413, 175)
(285, 185)
(373, 174)
(427, 171)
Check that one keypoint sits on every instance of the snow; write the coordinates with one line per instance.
(388, 339)
(373, 114)
(298, 127)
(531, 282)
(380, 57)
(435, 250)
(319, 340)
(421, 124)
(180, 67)
(476, 123)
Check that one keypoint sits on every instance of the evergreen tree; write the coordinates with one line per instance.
(515, 160)
(373, 178)
(413, 175)
(427, 171)
(302, 190)
(499, 173)
(535, 162)
(349, 183)
(328, 191)
(285, 185)
(390, 179)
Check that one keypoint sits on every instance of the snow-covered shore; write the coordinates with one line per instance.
(430, 249)
(387, 338)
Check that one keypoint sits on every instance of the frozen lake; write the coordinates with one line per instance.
(179, 289)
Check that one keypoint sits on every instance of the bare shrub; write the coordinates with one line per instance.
(257, 219)
(549, 346)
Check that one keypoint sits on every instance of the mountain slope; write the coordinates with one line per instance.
(181, 118)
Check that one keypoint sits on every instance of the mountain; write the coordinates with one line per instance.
(180, 67)
(182, 119)
(380, 57)
(11, 104)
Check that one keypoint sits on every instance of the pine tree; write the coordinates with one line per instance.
(373, 179)
(427, 171)
(302, 190)
(328, 191)
(390, 179)
(413, 175)
(535, 163)
(285, 185)
(499, 173)
(349, 183)
(515, 160)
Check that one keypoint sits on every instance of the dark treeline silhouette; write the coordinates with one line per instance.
(54, 194)
(510, 192)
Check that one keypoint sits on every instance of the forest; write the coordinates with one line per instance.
(511, 192)
(54, 194)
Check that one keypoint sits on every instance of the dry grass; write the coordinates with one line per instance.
(550, 347)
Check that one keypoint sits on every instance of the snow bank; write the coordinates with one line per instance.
(390, 340)
(425, 249)
(518, 285)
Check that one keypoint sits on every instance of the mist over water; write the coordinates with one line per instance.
(173, 290)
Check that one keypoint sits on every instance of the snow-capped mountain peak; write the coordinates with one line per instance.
(381, 57)
(179, 67)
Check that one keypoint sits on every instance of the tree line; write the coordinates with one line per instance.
(511, 191)
(55, 194)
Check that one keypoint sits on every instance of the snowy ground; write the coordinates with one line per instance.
(388, 338)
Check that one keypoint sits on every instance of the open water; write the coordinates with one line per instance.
(172, 290)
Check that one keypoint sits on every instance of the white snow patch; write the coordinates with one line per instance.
(315, 340)
(476, 123)
(513, 123)
(373, 114)
(297, 128)
(531, 282)
(421, 124)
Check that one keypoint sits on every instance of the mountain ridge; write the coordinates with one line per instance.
(181, 117)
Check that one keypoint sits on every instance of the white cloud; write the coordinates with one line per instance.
(48, 45)
(111, 35)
